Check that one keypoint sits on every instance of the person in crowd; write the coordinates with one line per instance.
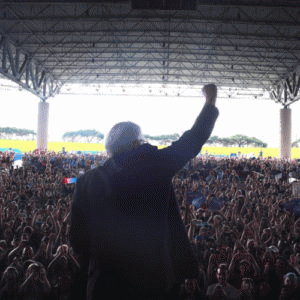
(36, 285)
(190, 290)
(9, 286)
(290, 289)
(247, 289)
(62, 271)
(222, 289)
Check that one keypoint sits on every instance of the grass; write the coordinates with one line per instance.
(26, 146)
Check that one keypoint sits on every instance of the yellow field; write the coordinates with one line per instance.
(26, 146)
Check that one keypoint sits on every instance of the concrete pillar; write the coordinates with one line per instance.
(285, 147)
(42, 130)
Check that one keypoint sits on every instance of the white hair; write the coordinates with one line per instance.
(120, 135)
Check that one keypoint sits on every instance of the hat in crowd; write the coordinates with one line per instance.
(218, 217)
(197, 237)
(273, 249)
(205, 225)
(291, 275)
(245, 261)
(120, 135)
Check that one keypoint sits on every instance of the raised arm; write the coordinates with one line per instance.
(191, 142)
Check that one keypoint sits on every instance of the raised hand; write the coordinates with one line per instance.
(210, 93)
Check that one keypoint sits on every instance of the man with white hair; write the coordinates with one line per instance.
(125, 220)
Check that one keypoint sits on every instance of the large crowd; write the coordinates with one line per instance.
(236, 211)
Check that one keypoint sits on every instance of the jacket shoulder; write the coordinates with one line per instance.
(91, 174)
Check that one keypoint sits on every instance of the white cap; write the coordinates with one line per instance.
(120, 135)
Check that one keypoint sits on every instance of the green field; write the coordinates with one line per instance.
(26, 146)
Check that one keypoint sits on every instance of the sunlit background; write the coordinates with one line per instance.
(157, 109)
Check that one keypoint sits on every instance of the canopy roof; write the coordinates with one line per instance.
(234, 45)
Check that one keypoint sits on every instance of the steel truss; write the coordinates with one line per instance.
(237, 46)
(23, 69)
(286, 91)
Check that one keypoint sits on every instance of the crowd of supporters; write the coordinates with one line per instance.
(235, 210)
(6, 158)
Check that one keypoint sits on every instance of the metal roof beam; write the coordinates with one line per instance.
(26, 71)
(286, 91)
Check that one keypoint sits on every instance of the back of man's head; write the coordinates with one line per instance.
(121, 137)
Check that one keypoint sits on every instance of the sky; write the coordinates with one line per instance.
(257, 118)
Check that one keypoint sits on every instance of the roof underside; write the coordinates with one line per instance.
(244, 46)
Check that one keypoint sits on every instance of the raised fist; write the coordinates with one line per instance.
(210, 93)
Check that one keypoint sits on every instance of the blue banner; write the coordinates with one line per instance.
(198, 199)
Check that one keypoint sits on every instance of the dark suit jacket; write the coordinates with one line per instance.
(125, 218)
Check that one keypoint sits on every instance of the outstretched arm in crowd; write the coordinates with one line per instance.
(36, 214)
(191, 232)
(44, 280)
(16, 251)
(50, 217)
(60, 238)
(2, 215)
(29, 278)
(58, 254)
(212, 265)
(234, 214)
(73, 259)
(50, 246)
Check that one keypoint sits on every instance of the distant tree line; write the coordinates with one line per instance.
(296, 144)
(164, 139)
(94, 136)
(12, 133)
(237, 140)
(83, 136)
